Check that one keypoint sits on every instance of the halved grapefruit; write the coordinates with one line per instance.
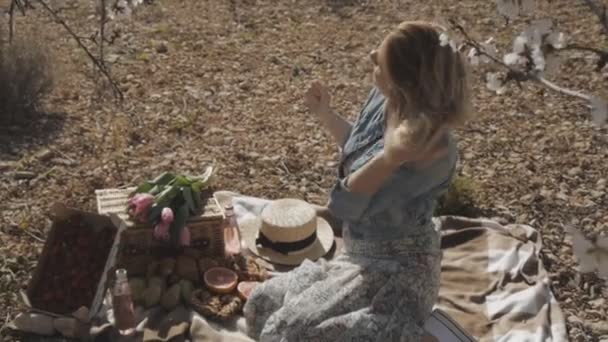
(245, 288)
(220, 280)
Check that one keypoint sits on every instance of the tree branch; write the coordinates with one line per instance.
(574, 47)
(561, 90)
(518, 75)
(600, 11)
(11, 21)
(100, 65)
(603, 55)
(102, 31)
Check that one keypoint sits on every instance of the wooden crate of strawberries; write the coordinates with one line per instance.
(73, 268)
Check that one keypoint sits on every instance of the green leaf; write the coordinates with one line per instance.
(164, 178)
(179, 222)
(197, 186)
(181, 181)
(144, 187)
(156, 189)
(187, 193)
(166, 196)
(154, 214)
(198, 203)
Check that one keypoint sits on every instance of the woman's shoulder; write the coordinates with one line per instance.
(433, 174)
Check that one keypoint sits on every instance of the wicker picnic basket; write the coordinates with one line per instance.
(138, 247)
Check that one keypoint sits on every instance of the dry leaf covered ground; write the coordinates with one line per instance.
(223, 80)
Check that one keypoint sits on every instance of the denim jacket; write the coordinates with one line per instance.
(403, 206)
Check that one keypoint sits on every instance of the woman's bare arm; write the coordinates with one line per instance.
(317, 99)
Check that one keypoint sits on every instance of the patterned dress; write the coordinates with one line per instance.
(384, 285)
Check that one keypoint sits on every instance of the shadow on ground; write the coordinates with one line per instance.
(36, 129)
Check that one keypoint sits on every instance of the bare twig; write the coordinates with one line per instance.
(20, 5)
(562, 90)
(603, 55)
(11, 21)
(6, 321)
(100, 65)
(285, 168)
(601, 11)
(102, 31)
(34, 236)
(574, 47)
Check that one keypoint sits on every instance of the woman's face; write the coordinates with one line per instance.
(380, 74)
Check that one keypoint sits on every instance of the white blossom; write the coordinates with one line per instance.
(581, 247)
(535, 32)
(444, 39)
(494, 83)
(514, 59)
(538, 59)
(591, 256)
(473, 57)
(456, 44)
(599, 110)
(556, 39)
(122, 8)
(519, 44)
(490, 48)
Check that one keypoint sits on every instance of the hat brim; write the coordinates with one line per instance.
(321, 246)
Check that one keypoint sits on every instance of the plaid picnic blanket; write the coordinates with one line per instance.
(493, 288)
(494, 284)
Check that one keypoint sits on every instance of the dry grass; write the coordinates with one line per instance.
(229, 89)
(460, 199)
(26, 76)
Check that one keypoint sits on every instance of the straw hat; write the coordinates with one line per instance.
(287, 232)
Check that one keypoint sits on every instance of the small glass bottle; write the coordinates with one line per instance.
(232, 235)
(122, 303)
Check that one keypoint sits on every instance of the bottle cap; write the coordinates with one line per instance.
(121, 274)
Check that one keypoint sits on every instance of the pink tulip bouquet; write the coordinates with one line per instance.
(166, 202)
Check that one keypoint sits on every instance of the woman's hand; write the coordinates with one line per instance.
(317, 99)
(397, 150)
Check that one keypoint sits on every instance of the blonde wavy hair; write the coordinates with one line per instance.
(429, 83)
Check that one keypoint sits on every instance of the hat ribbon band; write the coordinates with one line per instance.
(285, 247)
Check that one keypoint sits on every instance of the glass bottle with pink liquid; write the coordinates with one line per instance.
(232, 235)
(122, 303)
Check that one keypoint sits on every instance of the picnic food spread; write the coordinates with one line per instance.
(220, 280)
(245, 287)
(164, 243)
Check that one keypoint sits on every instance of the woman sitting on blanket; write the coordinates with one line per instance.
(398, 157)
